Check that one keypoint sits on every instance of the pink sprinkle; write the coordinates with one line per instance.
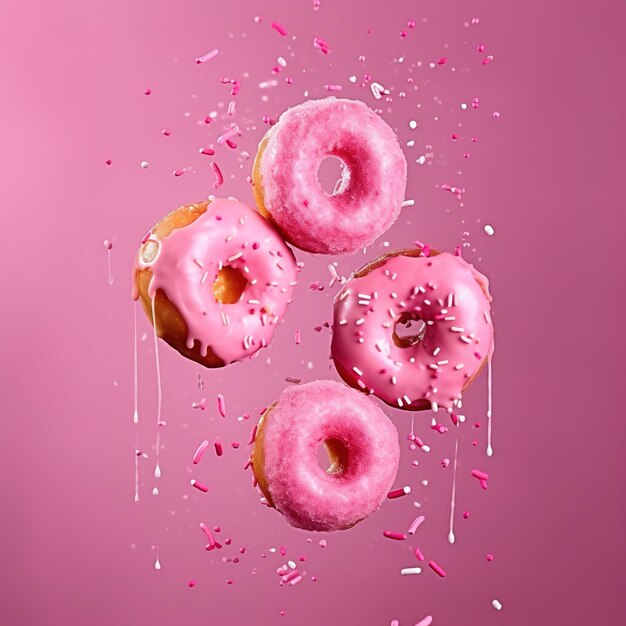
(442, 61)
(199, 486)
(418, 555)
(290, 576)
(167, 132)
(108, 162)
(207, 151)
(295, 581)
(218, 448)
(209, 535)
(398, 493)
(253, 434)
(436, 568)
(480, 47)
(480, 475)
(192, 583)
(483, 484)
(279, 29)
(208, 56)
(321, 45)
(179, 172)
(490, 557)
(466, 514)
(411, 23)
(322, 543)
(200, 452)
(426, 250)
(298, 337)
(232, 108)
(221, 405)
(395, 536)
(148, 91)
(219, 179)
(488, 59)
(333, 87)
(417, 522)
(233, 130)
(293, 379)
(426, 621)
(234, 445)
(231, 144)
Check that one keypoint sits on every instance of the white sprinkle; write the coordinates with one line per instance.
(433, 366)
(281, 62)
(198, 262)
(342, 322)
(357, 370)
(465, 339)
(144, 165)
(486, 316)
(344, 295)
(460, 366)
(407, 203)
(407, 571)
(457, 329)
(359, 322)
(442, 362)
(436, 351)
(412, 124)
(394, 380)
(364, 296)
(489, 229)
(434, 406)
(497, 605)
(450, 318)
(203, 279)
(408, 401)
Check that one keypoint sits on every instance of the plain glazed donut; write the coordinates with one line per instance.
(217, 278)
(286, 186)
(433, 367)
(362, 446)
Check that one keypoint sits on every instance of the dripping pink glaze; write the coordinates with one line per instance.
(379, 358)
(302, 419)
(374, 179)
(227, 229)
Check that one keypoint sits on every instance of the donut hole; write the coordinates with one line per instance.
(333, 176)
(332, 456)
(229, 285)
(409, 329)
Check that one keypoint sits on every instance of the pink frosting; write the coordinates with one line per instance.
(442, 291)
(188, 261)
(369, 198)
(306, 416)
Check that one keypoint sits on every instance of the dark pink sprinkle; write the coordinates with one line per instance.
(442, 61)
(199, 486)
(148, 91)
(480, 475)
(108, 162)
(207, 120)
(192, 583)
(253, 434)
(488, 59)
(490, 557)
(466, 514)
(480, 47)
(283, 551)
(279, 28)
(219, 178)
(180, 172)
(218, 448)
(167, 132)
(403, 34)
(436, 568)
(234, 445)
(394, 536)
(398, 493)
(207, 151)
(411, 23)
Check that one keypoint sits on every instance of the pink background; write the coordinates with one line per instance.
(547, 175)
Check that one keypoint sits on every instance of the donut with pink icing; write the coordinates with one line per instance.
(430, 363)
(362, 207)
(362, 446)
(215, 279)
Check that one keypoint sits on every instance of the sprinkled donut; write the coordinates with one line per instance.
(217, 278)
(371, 192)
(446, 301)
(362, 446)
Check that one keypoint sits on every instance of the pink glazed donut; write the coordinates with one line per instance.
(285, 175)
(447, 303)
(217, 279)
(362, 446)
